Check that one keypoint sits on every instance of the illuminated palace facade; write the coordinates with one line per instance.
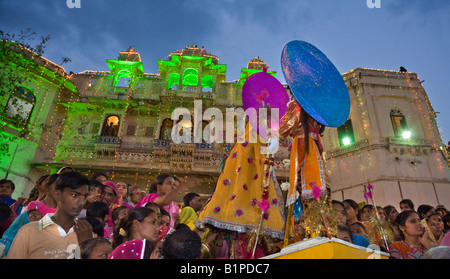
(119, 122)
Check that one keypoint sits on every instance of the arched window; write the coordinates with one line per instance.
(173, 81)
(207, 83)
(398, 122)
(111, 126)
(20, 104)
(185, 127)
(166, 129)
(345, 133)
(123, 79)
(190, 77)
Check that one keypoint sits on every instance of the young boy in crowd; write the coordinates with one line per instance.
(56, 236)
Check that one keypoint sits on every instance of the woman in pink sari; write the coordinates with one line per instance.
(110, 196)
(163, 192)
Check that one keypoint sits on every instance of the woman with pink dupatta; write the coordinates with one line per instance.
(163, 192)
(110, 196)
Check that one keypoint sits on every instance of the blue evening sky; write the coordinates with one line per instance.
(410, 33)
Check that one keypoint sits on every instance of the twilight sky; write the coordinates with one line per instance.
(410, 33)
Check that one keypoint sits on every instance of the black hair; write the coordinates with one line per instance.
(51, 179)
(344, 228)
(158, 181)
(137, 213)
(370, 206)
(164, 212)
(355, 206)
(97, 209)
(4, 181)
(360, 225)
(73, 180)
(401, 219)
(407, 202)
(446, 219)
(337, 202)
(95, 183)
(388, 209)
(188, 197)
(97, 174)
(87, 246)
(34, 193)
(182, 244)
(441, 207)
(182, 226)
(423, 209)
(115, 212)
(97, 226)
(152, 203)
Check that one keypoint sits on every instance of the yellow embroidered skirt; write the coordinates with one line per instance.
(234, 204)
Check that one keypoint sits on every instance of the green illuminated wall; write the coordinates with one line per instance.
(32, 139)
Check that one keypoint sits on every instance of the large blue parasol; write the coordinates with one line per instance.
(315, 83)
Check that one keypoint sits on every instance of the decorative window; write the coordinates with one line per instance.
(185, 127)
(131, 130)
(345, 133)
(20, 104)
(398, 121)
(122, 79)
(190, 77)
(149, 131)
(111, 126)
(123, 82)
(207, 83)
(166, 129)
(173, 81)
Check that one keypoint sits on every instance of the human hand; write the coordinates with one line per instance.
(83, 229)
(93, 198)
(156, 253)
(211, 237)
(190, 181)
(425, 239)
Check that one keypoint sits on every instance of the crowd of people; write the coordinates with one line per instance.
(68, 215)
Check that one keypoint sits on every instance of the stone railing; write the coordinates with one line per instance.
(164, 155)
(107, 140)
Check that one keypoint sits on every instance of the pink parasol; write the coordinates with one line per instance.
(260, 90)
